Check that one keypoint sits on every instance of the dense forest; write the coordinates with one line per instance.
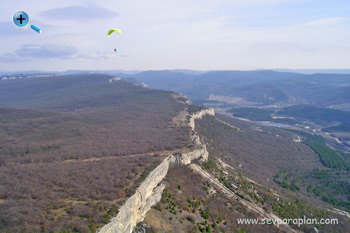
(254, 114)
(321, 116)
(338, 128)
(330, 183)
(330, 158)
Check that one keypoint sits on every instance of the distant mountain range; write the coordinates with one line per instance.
(316, 71)
(257, 88)
(263, 87)
(185, 71)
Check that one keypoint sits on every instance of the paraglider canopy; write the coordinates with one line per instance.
(114, 30)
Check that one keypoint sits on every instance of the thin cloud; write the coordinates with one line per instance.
(45, 51)
(99, 55)
(7, 28)
(28, 52)
(325, 21)
(269, 46)
(103, 55)
(79, 13)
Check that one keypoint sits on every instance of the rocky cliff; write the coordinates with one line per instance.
(150, 191)
(199, 115)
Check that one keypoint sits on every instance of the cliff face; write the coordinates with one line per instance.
(150, 191)
(135, 208)
(199, 115)
(186, 158)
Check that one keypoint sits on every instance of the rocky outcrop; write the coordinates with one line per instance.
(135, 208)
(186, 158)
(150, 191)
(200, 114)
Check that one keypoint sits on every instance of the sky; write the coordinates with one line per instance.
(177, 34)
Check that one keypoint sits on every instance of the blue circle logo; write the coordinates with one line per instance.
(21, 20)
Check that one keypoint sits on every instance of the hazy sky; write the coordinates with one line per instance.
(171, 34)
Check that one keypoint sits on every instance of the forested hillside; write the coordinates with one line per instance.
(69, 163)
